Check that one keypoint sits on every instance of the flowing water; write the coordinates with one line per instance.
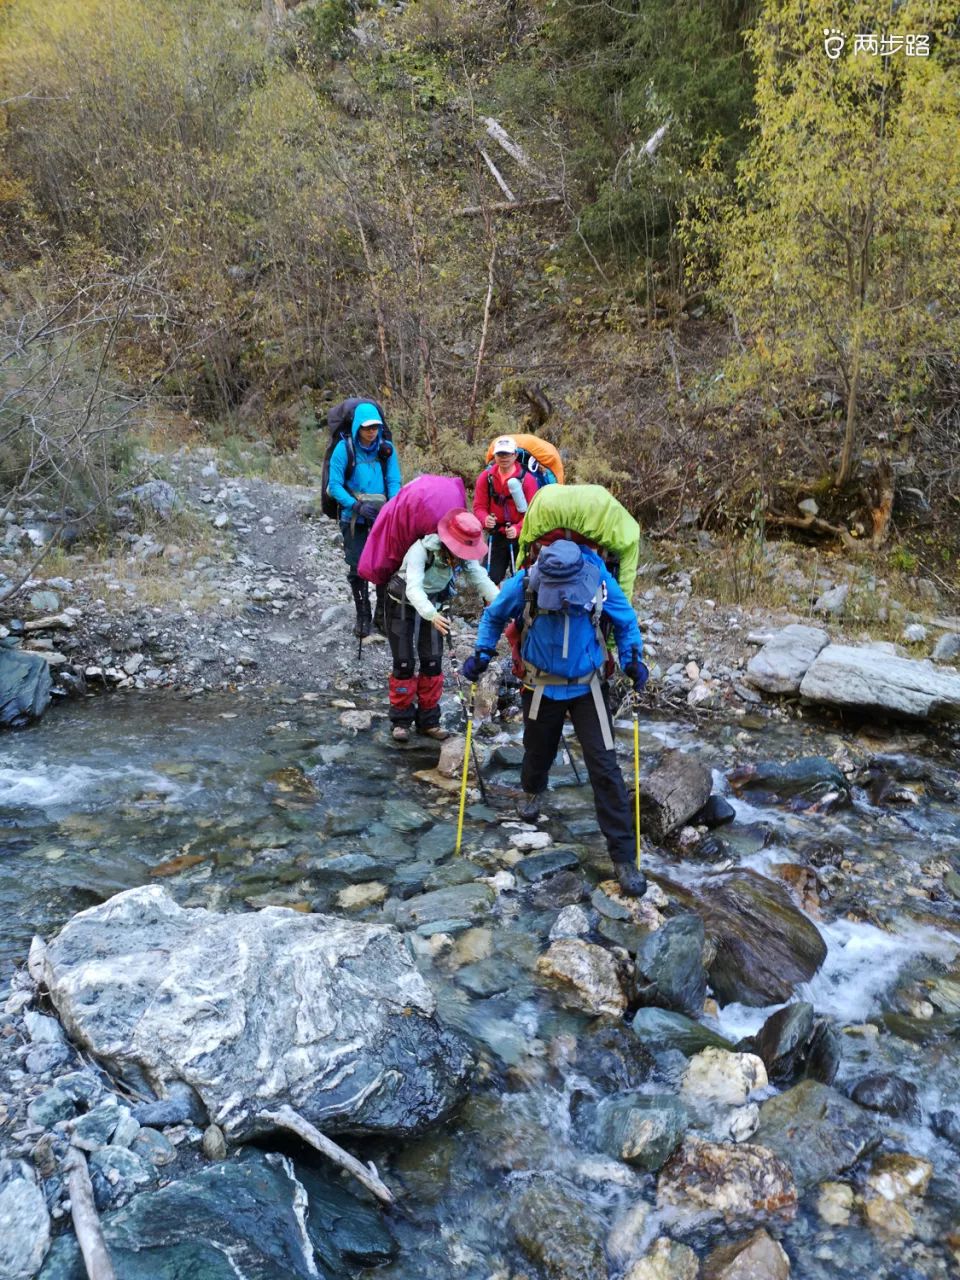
(243, 803)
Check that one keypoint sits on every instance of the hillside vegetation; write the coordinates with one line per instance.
(717, 264)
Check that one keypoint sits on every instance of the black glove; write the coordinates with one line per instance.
(367, 511)
(637, 672)
(476, 665)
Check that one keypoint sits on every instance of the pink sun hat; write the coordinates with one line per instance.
(462, 533)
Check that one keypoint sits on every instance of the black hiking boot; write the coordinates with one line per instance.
(528, 806)
(631, 879)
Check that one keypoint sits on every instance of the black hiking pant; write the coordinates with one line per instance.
(501, 566)
(354, 540)
(541, 741)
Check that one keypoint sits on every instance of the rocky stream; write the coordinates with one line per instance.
(750, 1073)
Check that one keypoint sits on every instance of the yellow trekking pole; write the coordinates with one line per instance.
(466, 768)
(636, 774)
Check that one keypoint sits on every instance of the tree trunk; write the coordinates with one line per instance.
(850, 433)
(491, 280)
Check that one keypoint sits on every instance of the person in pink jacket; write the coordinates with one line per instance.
(500, 499)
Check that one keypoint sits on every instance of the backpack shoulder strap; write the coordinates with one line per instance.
(530, 607)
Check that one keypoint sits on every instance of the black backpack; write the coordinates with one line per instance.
(340, 426)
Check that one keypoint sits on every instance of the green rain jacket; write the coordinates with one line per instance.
(596, 515)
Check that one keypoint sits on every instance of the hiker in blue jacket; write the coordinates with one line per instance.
(364, 474)
(558, 603)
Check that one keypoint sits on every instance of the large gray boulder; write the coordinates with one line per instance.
(783, 661)
(947, 648)
(24, 687)
(871, 679)
(255, 1011)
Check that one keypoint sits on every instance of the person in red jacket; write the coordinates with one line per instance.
(502, 494)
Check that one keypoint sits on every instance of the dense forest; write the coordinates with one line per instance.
(711, 249)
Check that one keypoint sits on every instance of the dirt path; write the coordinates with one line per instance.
(268, 607)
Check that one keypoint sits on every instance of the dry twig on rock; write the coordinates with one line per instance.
(287, 1118)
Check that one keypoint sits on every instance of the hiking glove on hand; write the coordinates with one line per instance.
(638, 673)
(366, 511)
(476, 665)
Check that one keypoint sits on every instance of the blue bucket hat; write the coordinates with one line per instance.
(563, 577)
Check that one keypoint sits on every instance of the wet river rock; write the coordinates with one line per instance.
(669, 967)
(245, 1219)
(759, 1257)
(662, 1029)
(560, 1232)
(809, 778)
(816, 1130)
(585, 975)
(794, 1044)
(642, 1129)
(611, 1056)
(889, 1094)
(765, 946)
(666, 1260)
(737, 1182)
(25, 686)
(258, 1010)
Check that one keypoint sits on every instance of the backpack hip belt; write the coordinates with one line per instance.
(540, 680)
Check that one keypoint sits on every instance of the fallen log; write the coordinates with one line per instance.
(513, 149)
(508, 206)
(815, 524)
(287, 1118)
(498, 177)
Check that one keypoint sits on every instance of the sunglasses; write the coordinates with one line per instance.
(505, 455)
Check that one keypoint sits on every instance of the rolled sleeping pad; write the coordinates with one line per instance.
(517, 494)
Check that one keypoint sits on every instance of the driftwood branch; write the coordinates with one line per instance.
(86, 1220)
(513, 206)
(815, 525)
(497, 177)
(513, 149)
(287, 1118)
